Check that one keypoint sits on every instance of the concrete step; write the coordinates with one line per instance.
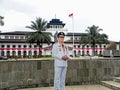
(111, 84)
(116, 79)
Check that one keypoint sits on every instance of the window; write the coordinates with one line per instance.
(61, 26)
(100, 52)
(21, 37)
(35, 46)
(79, 52)
(87, 46)
(71, 38)
(25, 46)
(14, 46)
(16, 37)
(78, 46)
(50, 26)
(30, 46)
(82, 46)
(19, 46)
(79, 38)
(88, 53)
(55, 26)
(74, 46)
(104, 46)
(13, 53)
(6, 37)
(2, 46)
(8, 53)
(11, 37)
(2, 53)
(8, 46)
(75, 38)
(96, 46)
(96, 52)
(19, 53)
(83, 53)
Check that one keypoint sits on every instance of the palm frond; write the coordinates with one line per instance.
(93, 36)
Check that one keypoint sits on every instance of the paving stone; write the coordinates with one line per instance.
(75, 87)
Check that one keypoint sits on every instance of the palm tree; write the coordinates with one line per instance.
(93, 37)
(39, 36)
(1, 21)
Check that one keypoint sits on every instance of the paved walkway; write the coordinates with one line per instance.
(80, 87)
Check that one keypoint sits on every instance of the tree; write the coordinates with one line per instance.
(1, 21)
(39, 36)
(111, 46)
(93, 37)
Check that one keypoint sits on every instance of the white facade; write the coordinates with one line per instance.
(14, 44)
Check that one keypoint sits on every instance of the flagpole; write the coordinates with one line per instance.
(73, 35)
(71, 15)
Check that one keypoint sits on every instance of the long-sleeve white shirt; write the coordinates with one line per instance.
(57, 53)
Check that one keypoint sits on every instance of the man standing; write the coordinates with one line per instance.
(61, 56)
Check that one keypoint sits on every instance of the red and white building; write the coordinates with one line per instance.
(14, 43)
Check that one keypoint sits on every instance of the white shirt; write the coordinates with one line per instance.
(57, 53)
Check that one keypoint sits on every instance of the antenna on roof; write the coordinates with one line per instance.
(55, 16)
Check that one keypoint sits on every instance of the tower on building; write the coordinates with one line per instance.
(55, 26)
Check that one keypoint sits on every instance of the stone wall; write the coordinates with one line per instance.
(23, 73)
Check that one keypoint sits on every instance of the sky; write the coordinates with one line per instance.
(103, 13)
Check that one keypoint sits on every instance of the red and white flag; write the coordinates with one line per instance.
(71, 15)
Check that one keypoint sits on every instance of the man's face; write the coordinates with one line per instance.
(61, 39)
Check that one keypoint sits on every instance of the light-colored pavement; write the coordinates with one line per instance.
(80, 87)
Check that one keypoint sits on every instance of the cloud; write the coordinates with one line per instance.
(16, 6)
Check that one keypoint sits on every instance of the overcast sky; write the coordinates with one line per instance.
(103, 13)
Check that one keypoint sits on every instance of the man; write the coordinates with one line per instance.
(61, 56)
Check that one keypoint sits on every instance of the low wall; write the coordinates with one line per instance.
(23, 73)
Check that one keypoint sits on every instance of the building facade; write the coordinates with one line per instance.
(14, 43)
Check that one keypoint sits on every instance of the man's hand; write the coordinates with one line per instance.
(65, 57)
